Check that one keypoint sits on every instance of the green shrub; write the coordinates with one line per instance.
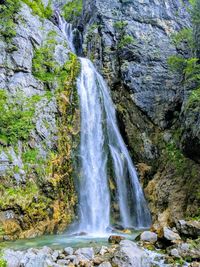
(120, 25)
(8, 16)
(16, 115)
(194, 97)
(3, 263)
(192, 71)
(39, 9)
(189, 67)
(46, 69)
(72, 9)
(184, 36)
(44, 66)
(176, 63)
(124, 39)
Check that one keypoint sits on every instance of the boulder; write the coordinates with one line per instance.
(55, 255)
(86, 252)
(30, 259)
(170, 235)
(63, 262)
(129, 254)
(185, 251)
(103, 250)
(188, 228)
(46, 250)
(105, 264)
(148, 236)
(115, 239)
(68, 251)
(98, 260)
(71, 257)
(175, 253)
(13, 258)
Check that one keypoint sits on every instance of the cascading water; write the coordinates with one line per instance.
(101, 139)
(94, 191)
(67, 30)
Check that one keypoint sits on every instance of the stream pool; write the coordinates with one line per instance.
(64, 240)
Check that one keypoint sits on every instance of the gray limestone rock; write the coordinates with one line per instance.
(68, 251)
(105, 264)
(148, 236)
(170, 235)
(129, 254)
(189, 228)
(86, 252)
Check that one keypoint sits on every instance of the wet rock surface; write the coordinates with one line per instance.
(148, 236)
(33, 202)
(189, 228)
(129, 254)
(175, 248)
(126, 253)
(158, 127)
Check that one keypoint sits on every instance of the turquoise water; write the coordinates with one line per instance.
(64, 240)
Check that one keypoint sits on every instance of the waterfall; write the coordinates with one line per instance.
(101, 140)
(67, 30)
(94, 191)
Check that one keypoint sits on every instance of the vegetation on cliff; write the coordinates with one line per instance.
(39, 8)
(9, 15)
(72, 10)
(16, 114)
(38, 180)
(188, 66)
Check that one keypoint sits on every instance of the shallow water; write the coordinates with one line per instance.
(64, 240)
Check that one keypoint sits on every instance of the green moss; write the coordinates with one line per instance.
(176, 157)
(37, 210)
(72, 9)
(58, 166)
(180, 262)
(3, 263)
(30, 156)
(67, 121)
(16, 117)
(39, 8)
(21, 196)
(8, 17)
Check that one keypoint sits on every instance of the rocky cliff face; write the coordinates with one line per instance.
(130, 42)
(39, 127)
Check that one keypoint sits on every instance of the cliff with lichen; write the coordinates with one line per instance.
(132, 44)
(39, 125)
